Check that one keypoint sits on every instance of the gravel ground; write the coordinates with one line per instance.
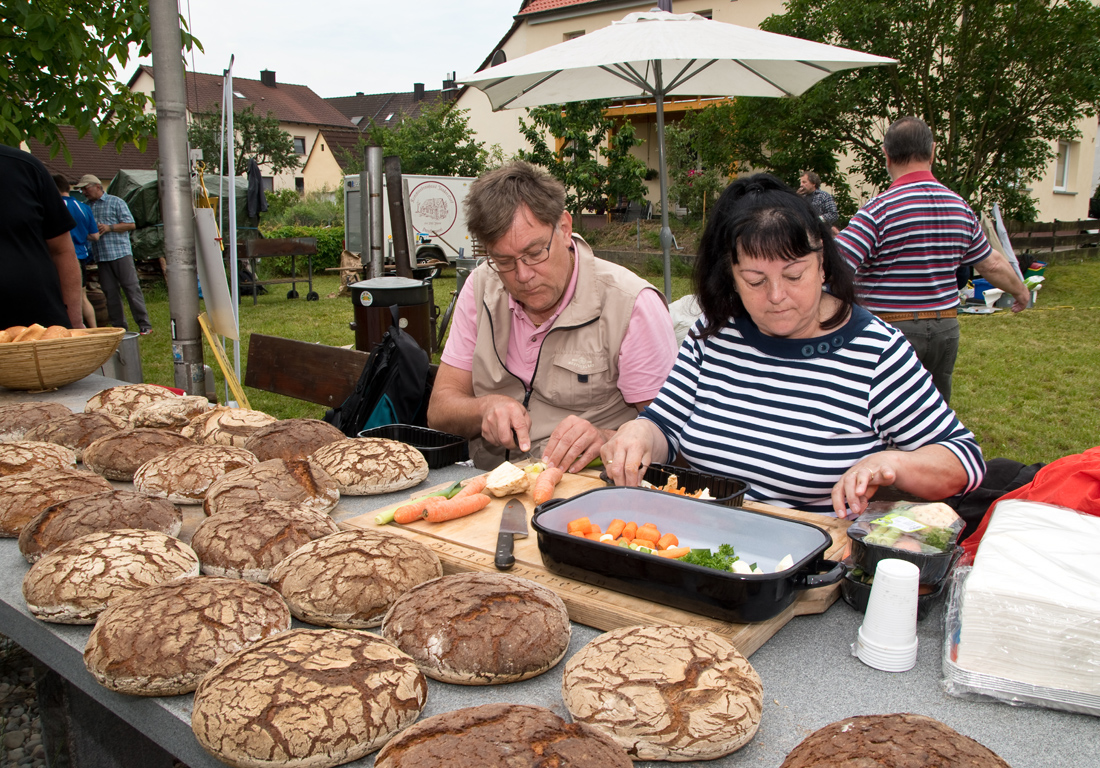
(21, 739)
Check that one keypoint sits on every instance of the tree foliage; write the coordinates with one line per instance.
(256, 136)
(581, 129)
(57, 67)
(997, 82)
(697, 169)
(437, 142)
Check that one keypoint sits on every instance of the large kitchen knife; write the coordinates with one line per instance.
(513, 522)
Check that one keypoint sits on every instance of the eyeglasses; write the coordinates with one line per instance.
(498, 264)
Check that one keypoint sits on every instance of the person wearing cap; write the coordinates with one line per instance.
(41, 282)
(114, 259)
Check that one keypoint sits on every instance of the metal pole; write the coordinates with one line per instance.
(174, 183)
(231, 142)
(401, 256)
(364, 216)
(662, 167)
(377, 223)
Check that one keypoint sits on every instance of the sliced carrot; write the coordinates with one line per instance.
(545, 483)
(673, 552)
(473, 485)
(641, 541)
(649, 531)
(580, 533)
(630, 531)
(668, 540)
(594, 536)
(410, 513)
(615, 527)
(593, 528)
(580, 524)
(449, 509)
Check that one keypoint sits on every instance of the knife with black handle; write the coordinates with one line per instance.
(513, 522)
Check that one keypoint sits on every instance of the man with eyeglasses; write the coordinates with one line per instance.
(550, 349)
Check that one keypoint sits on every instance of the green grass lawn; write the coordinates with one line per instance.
(1027, 384)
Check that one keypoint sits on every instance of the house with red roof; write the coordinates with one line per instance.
(88, 157)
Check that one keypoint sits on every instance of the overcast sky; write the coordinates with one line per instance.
(338, 47)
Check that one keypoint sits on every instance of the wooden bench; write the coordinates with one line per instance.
(293, 247)
(315, 373)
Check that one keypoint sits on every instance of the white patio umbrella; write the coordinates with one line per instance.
(660, 54)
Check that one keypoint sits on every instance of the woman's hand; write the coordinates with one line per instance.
(628, 454)
(853, 491)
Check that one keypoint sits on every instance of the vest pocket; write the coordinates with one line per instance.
(580, 381)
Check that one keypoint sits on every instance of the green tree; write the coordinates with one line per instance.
(997, 82)
(57, 67)
(436, 142)
(585, 135)
(256, 136)
(694, 178)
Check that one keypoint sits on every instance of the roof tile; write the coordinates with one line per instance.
(88, 157)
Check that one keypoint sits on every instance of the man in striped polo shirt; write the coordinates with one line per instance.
(906, 245)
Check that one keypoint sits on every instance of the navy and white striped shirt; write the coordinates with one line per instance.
(906, 245)
(790, 416)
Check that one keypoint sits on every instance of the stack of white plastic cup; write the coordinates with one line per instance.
(888, 638)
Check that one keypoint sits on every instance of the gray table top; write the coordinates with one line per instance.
(810, 678)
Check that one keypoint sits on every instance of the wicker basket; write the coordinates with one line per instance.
(54, 363)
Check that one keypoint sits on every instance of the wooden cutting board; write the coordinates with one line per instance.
(468, 544)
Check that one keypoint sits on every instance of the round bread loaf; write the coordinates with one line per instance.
(665, 693)
(171, 413)
(247, 543)
(25, 495)
(16, 419)
(75, 582)
(78, 430)
(125, 399)
(295, 481)
(890, 741)
(184, 474)
(364, 466)
(25, 455)
(351, 578)
(480, 628)
(108, 510)
(501, 736)
(307, 698)
(162, 640)
(292, 439)
(118, 456)
(226, 426)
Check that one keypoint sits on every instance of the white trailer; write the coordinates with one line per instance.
(435, 207)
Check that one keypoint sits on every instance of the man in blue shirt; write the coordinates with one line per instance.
(112, 254)
(86, 229)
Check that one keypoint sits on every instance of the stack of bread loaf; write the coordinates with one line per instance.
(36, 332)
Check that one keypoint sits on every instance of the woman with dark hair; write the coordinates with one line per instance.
(786, 383)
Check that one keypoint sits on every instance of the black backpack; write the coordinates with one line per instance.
(393, 388)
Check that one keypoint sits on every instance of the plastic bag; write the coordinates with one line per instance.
(916, 527)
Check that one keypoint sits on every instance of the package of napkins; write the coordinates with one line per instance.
(1024, 622)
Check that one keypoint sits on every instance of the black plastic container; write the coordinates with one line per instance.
(934, 566)
(440, 449)
(856, 593)
(757, 537)
(725, 489)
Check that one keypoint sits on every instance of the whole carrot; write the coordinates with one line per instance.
(449, 509)
(473, 485)
(545, 484)
(410, 513)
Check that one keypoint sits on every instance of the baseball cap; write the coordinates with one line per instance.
(87, 179)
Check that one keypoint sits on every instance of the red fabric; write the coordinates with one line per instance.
(1071, 481)
(173, 389)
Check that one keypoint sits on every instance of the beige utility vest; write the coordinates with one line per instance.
(577, 369)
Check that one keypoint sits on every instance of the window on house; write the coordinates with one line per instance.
(299, 185)
(299, 145)
(706, 14)
(269, 183)
(572, 35)
(1061, 168)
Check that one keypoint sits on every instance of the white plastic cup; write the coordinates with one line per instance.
(888, 638)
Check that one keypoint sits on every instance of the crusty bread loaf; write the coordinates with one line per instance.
(621, 684)
(292, 439)
(75, 582)
(226, 426)
(25, 455)
(248, 542)
(118, 456)
(480, 628)
(5, 336)
(25, 495)
(104, 510)
(500, 736)
(162, 640)
(307, 698)
(77, 431)
(126, 398)
(890, 741)
(170, 413)
(295, 480)
(351, 578)
(17, 419)
(32, 332)
(183, 475)
(363, 466)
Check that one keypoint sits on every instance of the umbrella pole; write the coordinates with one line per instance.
(662, 167)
